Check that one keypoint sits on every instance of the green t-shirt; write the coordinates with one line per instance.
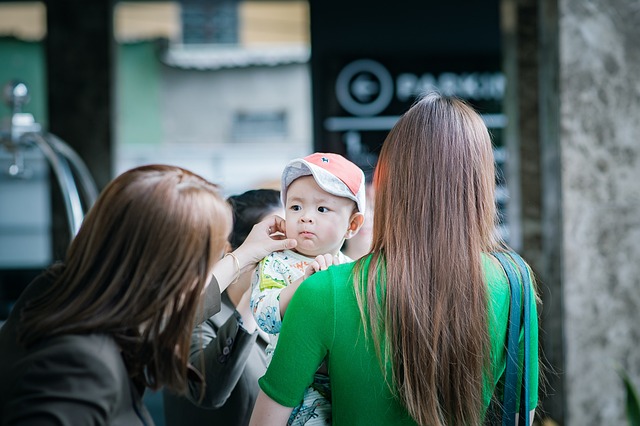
(323, 319)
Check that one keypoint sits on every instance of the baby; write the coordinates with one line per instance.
(324, 198)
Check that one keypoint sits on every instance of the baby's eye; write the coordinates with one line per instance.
(323, 209)
(295, 207)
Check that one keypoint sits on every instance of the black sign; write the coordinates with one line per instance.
(364, 97)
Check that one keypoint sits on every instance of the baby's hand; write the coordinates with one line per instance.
(320, 263)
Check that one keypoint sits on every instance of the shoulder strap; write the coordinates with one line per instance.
(526, 283)
(513, 334)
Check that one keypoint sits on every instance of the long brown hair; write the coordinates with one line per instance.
(137, 270)
(434, 217)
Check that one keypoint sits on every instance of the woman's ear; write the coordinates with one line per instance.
(355, 223)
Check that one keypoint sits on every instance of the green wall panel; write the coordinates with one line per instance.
(138, 118)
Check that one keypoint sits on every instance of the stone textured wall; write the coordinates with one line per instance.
(599, 88)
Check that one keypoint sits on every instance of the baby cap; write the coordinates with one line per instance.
(332, 172)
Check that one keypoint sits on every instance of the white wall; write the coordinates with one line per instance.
(198, 110)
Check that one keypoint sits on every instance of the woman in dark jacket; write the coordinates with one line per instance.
(87, 337)
(227, 348)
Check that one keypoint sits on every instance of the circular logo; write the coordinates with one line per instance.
(364, 87)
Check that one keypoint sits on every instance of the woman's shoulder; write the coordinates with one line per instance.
(496, 279)
(96, 351)
(87, 344)
(493, 272)
(88, 363)
(71, 350)
(335, 279)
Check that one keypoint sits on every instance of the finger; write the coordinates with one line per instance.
(311, 268)
(321, 262)
(283, 244)
(328, 260)
(268, 224)
(280, 225)
(290, 243)
(331, 260)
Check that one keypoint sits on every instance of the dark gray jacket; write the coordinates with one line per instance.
(232, 360)
(69, 380)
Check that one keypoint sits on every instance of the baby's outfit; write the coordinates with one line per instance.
(273, 274)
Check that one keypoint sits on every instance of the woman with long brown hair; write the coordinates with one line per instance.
(414, 331)
(87, 337)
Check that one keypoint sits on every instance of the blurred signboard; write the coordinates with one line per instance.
(363, 97)
(371, 59)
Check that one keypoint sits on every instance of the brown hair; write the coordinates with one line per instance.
(434, 217)
(137, 270)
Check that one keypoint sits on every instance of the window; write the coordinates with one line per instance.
(259, 125)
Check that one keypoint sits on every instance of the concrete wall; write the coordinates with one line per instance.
(584, 245)
(599, 69)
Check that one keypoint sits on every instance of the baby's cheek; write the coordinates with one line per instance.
(290, 229)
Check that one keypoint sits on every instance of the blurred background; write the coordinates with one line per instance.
(233, 89)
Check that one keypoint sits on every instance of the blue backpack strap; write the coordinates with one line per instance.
(513, 334)
(526, 283)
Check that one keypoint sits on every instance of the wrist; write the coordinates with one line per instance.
(236, 264)
(245, 262)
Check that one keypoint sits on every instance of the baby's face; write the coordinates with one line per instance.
(318, 220)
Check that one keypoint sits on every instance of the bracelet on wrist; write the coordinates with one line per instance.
(237, 264)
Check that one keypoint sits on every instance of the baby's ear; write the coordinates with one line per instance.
(355, 223)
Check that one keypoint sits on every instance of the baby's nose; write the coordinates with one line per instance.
(306, 218)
